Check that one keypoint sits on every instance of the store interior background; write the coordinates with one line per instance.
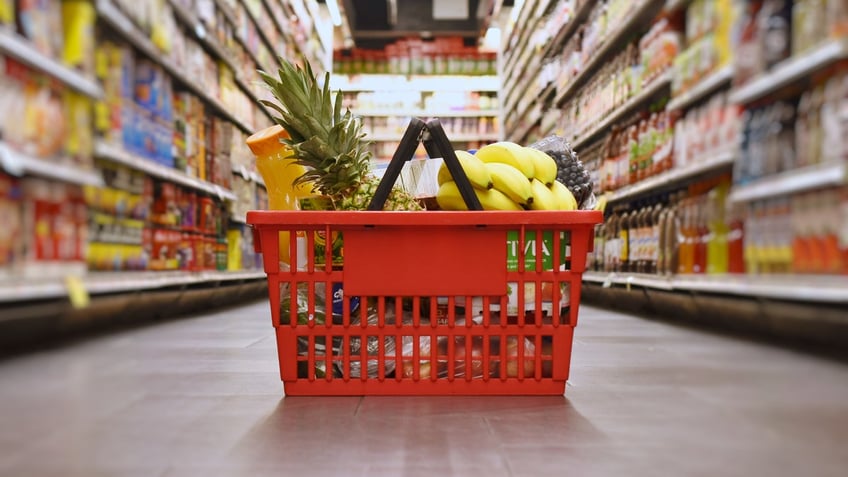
(125, 202)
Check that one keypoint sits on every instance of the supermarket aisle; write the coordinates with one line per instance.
(201, 396)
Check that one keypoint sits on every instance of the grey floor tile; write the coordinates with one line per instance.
(201, 396)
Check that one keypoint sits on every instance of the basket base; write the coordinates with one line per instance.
(442, 387)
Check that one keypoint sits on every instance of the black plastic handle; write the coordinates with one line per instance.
(437, 144)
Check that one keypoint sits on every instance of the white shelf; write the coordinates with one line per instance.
(248, 175)
(19, 164)
(113, 153)
(419, 83)
(807, 288)
(790, 182)
(97, 283)
(388, 137)
(107, 11)
(632, 20)
(701, 90)
(21, 49)
(469, 113)
(630, 105)
(674, 176)
(790, 70)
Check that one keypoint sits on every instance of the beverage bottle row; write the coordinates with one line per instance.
(683, 232)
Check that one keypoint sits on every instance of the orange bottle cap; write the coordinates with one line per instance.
(267, 141)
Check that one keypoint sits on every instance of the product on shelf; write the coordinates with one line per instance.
(638, 65)
(706, 130)
(413, 56)
(688, 231)
(802, 233)
(43, 119)
(638, 148)
(708, 37)
(11, 243)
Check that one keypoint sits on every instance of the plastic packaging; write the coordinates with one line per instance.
(554, 144)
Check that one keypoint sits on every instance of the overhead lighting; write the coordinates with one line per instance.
(335, 15)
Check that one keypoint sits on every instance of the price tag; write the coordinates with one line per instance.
(76, 292)
(628, 282)
(244, 173)
(607, 281)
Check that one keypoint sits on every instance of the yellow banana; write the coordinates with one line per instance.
(544, 165)
(449, 198)
(565, 199)
(511, 182)
(474, 169)
(508, 153)
(543, 198)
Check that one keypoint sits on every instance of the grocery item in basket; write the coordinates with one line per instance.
(329, 143)
(468, 356)
(570, 170)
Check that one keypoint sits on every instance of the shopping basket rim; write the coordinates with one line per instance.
(424, 218)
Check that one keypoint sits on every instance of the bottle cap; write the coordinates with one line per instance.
(267, 141)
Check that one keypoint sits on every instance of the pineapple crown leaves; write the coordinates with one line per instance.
(330, 144)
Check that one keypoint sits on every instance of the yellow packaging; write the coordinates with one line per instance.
(279, 171)
(78, 19)
(234, 245)
(7, 12)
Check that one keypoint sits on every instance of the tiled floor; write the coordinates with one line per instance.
(201, 397)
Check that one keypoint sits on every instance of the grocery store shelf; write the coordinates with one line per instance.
(191, 21)
(701, 90)
(248, 175)
(19, 164)
(806, 288)
(22, 50)
(351, 83)
(634, 279)
(569, 27)
(231, 16)
(790, 70)
(114, 17)
(531, 119)
(790, 182)
(98, 283)
(636, 18)
(259, 29)
(618, 113)
(674, 176)
(113, 153)
(467, 113)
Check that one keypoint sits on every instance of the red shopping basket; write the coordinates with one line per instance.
(435, 302)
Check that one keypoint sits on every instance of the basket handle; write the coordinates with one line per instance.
(436, 143)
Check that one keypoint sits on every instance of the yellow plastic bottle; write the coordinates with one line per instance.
(279, 171)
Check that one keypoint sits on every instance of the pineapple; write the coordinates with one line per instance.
(331, 145)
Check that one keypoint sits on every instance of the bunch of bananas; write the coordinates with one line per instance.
(507, 176)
